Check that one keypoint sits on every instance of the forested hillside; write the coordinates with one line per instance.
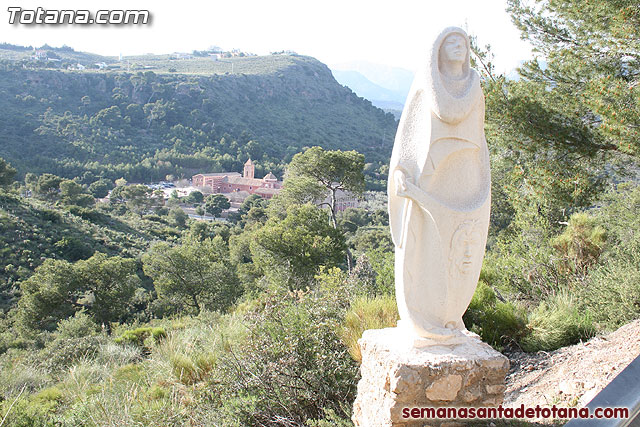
(145, 125)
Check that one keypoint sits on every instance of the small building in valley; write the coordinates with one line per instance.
(344, 200)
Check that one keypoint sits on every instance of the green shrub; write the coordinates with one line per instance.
(612, 289)
(142, 337)
(364, 280)
(33, 411)
(382, 263)
(12, 339)
(157, 392)
(155, 218)
(112, 354)
(72, 249)
(331, 280)
(62, 353)
(162, 211)
(367, 313)
(520, 261)
(294, 366)
(190, 371)
(90, 214)
(557, 322)
(49, 215)
(331, 419)
(133, 373)
(581, 243)
(51, 394)
(497, 322)
(78, 326)
(613, 292)
(15, 375)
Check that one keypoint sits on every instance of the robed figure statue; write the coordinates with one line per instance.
(440, 192)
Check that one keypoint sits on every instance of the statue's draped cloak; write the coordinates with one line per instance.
(441, 148)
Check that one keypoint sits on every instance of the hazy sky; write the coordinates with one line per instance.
(334, 31)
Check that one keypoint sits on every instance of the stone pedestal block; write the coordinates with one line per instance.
(400, 372)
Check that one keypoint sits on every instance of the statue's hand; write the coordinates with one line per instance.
(412, 191)
(416, 194)
(401, 183)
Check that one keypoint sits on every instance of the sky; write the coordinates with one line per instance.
(393, 33)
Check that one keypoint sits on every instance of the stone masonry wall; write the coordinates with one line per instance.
(396, 375)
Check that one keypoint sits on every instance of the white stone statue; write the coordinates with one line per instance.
(440, 193)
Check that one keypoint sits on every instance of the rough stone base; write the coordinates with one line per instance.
(397, 375)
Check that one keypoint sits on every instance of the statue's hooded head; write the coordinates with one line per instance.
(452, 46)
(449, 77)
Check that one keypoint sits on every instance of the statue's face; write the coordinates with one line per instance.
(454, 48)
(466, 251)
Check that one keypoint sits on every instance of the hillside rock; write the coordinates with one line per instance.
(571, 376)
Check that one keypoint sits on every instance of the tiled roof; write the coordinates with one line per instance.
(244, 181)
(267, 190)
(220, 174)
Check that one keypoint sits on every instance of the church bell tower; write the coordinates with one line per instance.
(249, 169)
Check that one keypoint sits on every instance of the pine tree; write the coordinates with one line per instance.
(592, 72)
(560, 130)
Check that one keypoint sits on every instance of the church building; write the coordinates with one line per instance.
(233, 182)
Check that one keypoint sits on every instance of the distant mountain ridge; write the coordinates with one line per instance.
(385, 86)
(379, 96)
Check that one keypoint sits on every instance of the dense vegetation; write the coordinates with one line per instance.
(127, 312)
(145, 125)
